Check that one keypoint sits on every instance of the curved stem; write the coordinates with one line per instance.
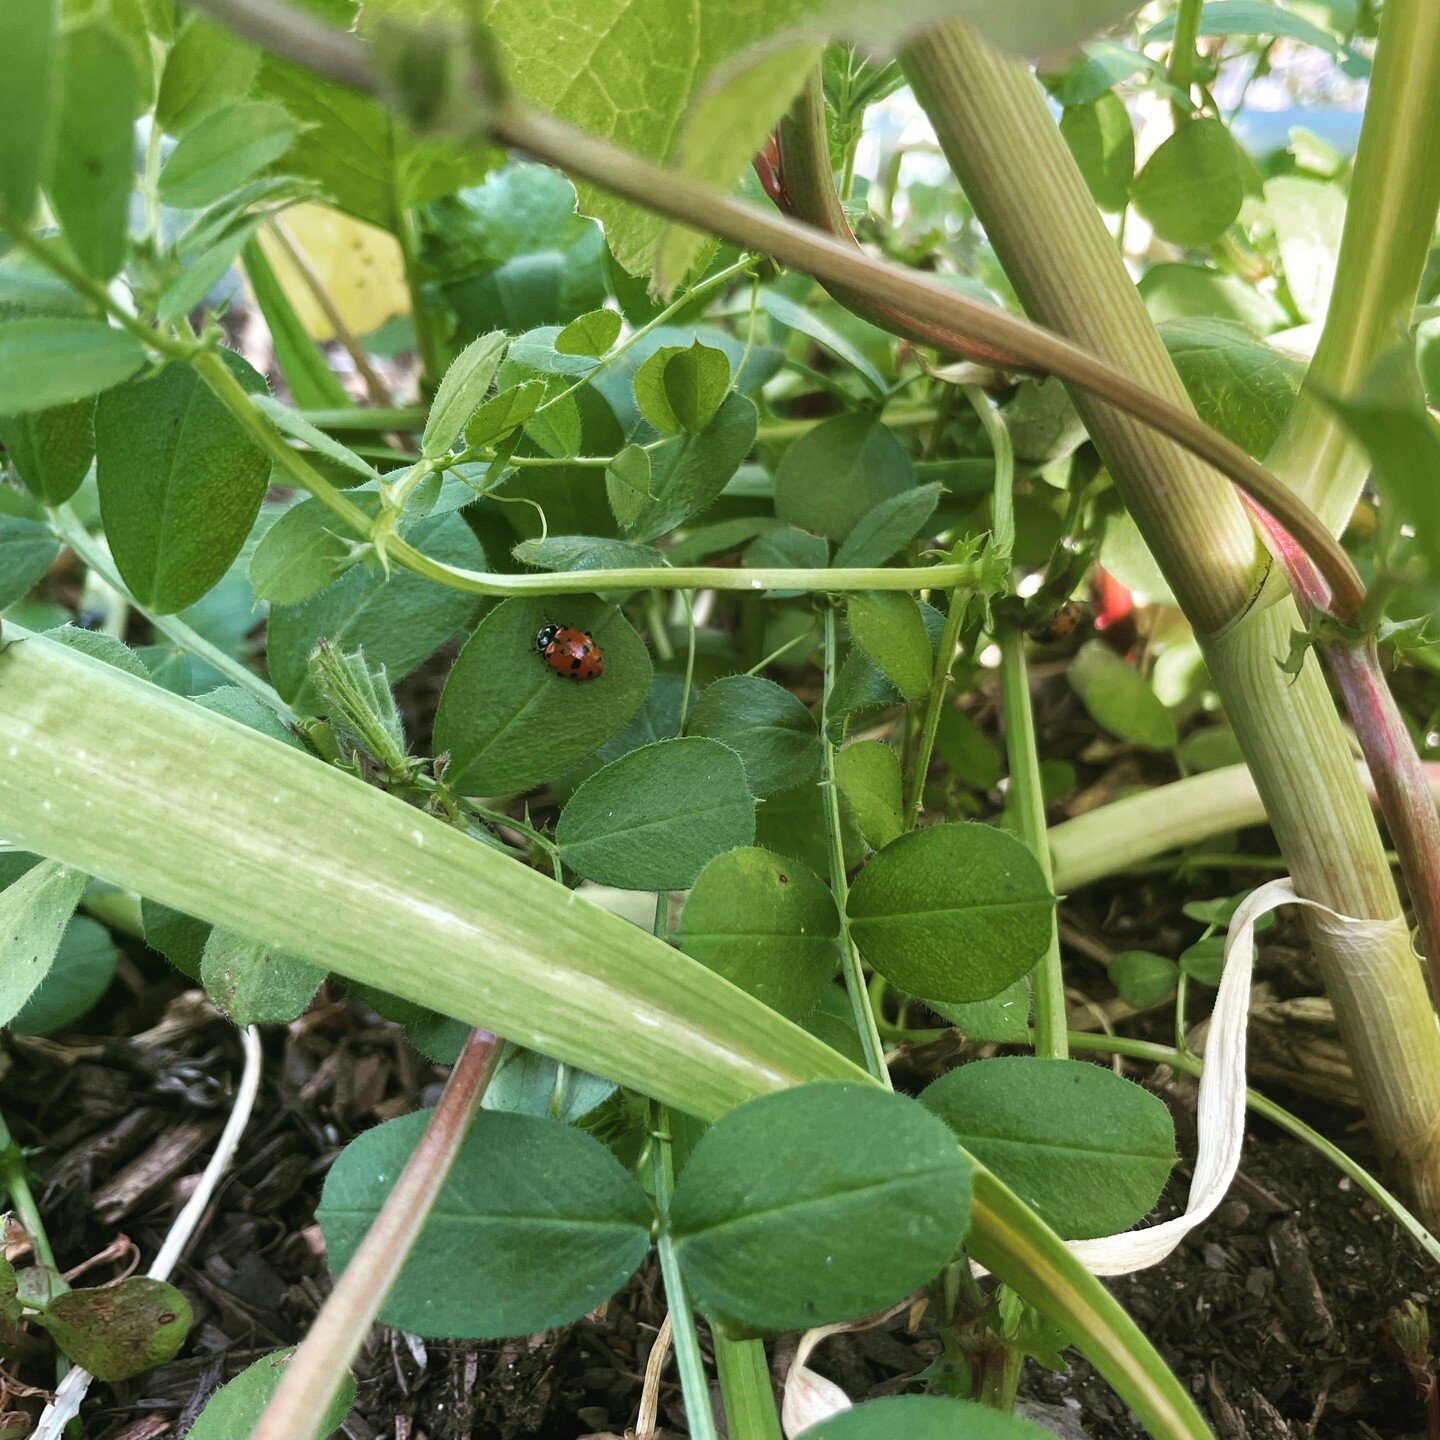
(16, 1184)
(344, 58)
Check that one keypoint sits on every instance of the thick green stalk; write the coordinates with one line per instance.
(1068, 274)
(750, 1412)
(850, 965)
(1389, 227)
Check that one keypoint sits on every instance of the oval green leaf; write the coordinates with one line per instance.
(1120, 699)
(771, 731)
(81, 973)
(952, 912)
(235, 1409)
(508, 721)
(766, 924)
(1192, 187)
(34, 911)
(888, 627)
(51, 450)
(835, 474)
(223, 150)
(653, 819)
(1088, 1150)
(536, 1224)
(45, 362)
(870, 1198)
(120, 1330)
(924, 1417)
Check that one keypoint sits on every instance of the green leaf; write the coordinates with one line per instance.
(28, 31)
(886, 625)
(1192, 187)
(794, 316)
(301, 553)
(501, 415)
(689, 473)
(924, 1417)
(952, 912)
(536, 1224)
(765, 725)
(871, 1200)
(509, 722)
(27, 550)
(51, 449)
(398, 623)
(767, 925)
(967, 750)
(589, 334)
(679, 388)
(586, 552)
(461, 392)
(835, 474)
(178, 937)
(297, 427)
(1240, 386)
(82, 970)
(180, 482)
(653, 819)
(45, 363)
(868, 775)
(1205, 960)
(526, 1083)
(1143, 978)
(121, 1330)
(92, 167)
(235, 1409)
(224, 149)
(207, 68)
(1003, 1018)
(1088, 1150)
(1249, 17)
(1387, 413)
(253, 983)
(34, 912)
(1101, 140)
(889, 525)
(861, 684)
(1173, 291)
(1119, 698)
(628, 486)
(1308, 217)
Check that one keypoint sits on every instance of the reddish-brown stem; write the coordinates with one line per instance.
(317, 1370)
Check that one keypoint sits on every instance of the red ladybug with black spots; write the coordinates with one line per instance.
(569, 652)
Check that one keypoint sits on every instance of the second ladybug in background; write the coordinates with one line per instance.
(569, 652)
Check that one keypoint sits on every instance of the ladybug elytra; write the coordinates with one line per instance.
(1061, 625)
(569, 652)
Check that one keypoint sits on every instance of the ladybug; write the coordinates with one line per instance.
(1061, 625)
(569, 652)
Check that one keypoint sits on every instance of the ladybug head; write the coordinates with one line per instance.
(545, 637)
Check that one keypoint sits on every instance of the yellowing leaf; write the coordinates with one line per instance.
(360, 266)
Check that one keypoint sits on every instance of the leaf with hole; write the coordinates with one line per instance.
(653, 819)
(765, 725)
(766, 924)
(121, 1330)
(180, 481)
(1088, 1150)
(509, 722)
(871, 1200)
(253, 983)
(952, 912)
(235, 1408)
(535, 1225)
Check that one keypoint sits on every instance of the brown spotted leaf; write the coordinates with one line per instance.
(121, 1330)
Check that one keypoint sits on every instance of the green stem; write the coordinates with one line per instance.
(792, 644)
(854, 971)
(745, 1388)
(426, 341)
(17, 1185)
(1027, 812)
(688, 1359)
(1183, 56)
(1278, 1116)
(93, 554)
(935, 701)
